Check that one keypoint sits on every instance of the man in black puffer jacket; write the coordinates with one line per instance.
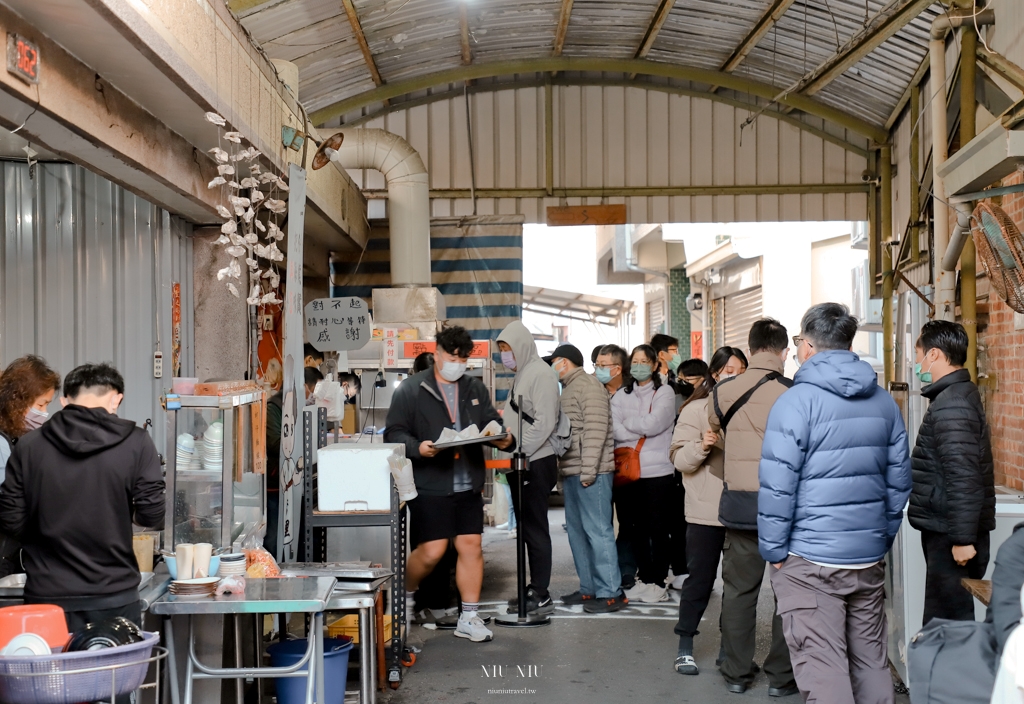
(953, 502)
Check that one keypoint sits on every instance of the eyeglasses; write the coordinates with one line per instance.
(605, 366)
(798, 339)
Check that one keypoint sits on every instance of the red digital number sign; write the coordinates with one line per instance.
(23, 58)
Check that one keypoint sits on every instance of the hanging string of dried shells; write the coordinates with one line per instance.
(238, 173)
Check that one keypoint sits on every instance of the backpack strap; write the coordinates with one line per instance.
(738, 404)
(515, 407)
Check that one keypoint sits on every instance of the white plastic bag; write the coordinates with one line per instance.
(401, 470)
(330, 395)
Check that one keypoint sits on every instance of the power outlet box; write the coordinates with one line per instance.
(158, 365)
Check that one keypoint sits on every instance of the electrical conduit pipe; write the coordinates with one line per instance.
(945, 279)
(408, 198)
(959, 237)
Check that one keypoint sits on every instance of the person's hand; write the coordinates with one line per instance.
(503, 443)
(586, 484)
(962, 554)
(427, 449)
(709, 440)
(778, 565)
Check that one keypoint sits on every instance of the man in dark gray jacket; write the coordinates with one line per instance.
(953, 502)
(587, 468)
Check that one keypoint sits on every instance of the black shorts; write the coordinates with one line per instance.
(444, 517)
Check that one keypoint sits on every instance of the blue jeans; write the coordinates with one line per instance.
(511, 511)
(588, 519)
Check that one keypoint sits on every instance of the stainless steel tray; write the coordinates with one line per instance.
(474, 441)
(341, 570)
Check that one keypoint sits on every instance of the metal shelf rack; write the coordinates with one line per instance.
(395, 519)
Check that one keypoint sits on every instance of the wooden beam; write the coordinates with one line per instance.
(756, 33)
(563, 27)
(467, 55)
(660, 15)
(877, 31)
(364, 47)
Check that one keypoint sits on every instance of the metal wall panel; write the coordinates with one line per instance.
(87, 273)
(615, 137)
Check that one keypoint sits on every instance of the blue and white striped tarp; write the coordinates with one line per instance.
(476, 263)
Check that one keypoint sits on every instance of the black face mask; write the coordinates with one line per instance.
(685, 389)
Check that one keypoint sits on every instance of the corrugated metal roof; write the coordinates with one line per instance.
(410, 38)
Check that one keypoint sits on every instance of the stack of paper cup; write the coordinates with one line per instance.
(213, 447)
(201, 559)
(184, 554)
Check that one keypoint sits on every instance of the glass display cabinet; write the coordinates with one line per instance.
(216, 462)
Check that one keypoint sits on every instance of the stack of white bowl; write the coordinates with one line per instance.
(184, 451)
(232, 564)
(213, 447)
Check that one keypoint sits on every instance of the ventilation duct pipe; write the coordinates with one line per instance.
(945, 279)
(959, 237)
(408, 198)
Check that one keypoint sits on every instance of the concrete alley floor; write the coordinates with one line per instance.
(597, 659)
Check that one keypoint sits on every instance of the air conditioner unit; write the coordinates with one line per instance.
(866, 310)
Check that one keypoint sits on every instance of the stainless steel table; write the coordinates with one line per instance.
(357, 589)
(262, 596)
(363, 602)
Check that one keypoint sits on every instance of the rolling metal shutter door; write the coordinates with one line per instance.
(655, 318)
(742, 310)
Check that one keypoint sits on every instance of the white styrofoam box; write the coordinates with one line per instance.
(355, 476)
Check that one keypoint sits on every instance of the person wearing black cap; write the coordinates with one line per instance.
(587, 468)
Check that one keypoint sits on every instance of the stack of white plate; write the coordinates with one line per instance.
(184, 451)
(232, 564)
(213, 447)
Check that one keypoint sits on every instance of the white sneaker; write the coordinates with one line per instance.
(636, 591)
(677, 582)
(652, 594)
(473, 628)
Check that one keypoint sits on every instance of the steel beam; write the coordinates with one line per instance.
(968, 256)
(1003, 67)
(887, 263)
(600, 82)
(660, 15)
(640, 191)
(563, 27)
(915, 82)
(708, 77)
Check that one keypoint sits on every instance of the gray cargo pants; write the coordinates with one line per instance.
(834, 622)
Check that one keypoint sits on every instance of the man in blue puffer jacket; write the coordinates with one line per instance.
(835, 476)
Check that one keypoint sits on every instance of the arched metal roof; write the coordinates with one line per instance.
(849, 61)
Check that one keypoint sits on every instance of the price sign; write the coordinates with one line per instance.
(23, 58)
(337, 324)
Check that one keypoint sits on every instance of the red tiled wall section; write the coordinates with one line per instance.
(1005, 351)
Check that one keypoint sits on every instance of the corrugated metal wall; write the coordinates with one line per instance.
(608, 137)
(87, 274)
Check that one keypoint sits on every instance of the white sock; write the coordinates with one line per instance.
(469, 609)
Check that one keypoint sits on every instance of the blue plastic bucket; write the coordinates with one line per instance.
(292, 690)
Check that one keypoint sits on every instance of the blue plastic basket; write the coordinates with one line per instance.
(61, 678)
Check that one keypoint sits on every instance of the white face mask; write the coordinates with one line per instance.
(453, 371)
(723, 377)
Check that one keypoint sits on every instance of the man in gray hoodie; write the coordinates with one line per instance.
(535, 396)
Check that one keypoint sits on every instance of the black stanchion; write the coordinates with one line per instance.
(521, 619)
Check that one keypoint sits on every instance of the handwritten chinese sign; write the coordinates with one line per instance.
(390, 348)
(337, 324)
